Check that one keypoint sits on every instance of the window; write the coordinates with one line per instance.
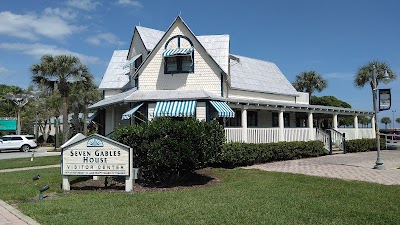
(275, 119)
(138, 61)
(178, 64)
(252, 119)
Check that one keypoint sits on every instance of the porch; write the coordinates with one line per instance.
(268, 135)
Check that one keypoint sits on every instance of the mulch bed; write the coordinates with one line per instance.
(199, 179)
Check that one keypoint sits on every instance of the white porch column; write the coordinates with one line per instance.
(281, 126)
(373, 126)
(311, 126)
(335, 123)
(244, 123)
(356, 126)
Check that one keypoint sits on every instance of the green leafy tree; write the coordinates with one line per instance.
(365, 73)
(364, 121)
(309, 82)
(398, 120)
(386, 120)
(329, 101)
(83, 95)
(58, 72)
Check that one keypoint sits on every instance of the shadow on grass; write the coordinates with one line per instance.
(117, 183)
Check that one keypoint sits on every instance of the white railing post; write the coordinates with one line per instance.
(281, 126)
(244, 123)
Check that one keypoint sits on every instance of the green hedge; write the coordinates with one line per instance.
(243, 154)
(363, 145)
(166, 150)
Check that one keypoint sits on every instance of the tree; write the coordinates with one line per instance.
(364, 121)
(20, 100)
(364, 74)
(309, 82)
(397, 120)
(329, 101)
(84, 94)
(58, 72)
(386, 120)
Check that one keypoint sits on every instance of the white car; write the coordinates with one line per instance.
(22, 142)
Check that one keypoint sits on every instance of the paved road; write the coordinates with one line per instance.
(41, 151)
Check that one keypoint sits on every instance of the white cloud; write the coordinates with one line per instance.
(87, 5)
(38, 50)
(67, 14)
(130, 3)
(3, 70)
(32, 26)
(104, 38)
(340, 75)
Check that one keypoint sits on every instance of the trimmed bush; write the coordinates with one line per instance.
(244, 154)
(166, 150)
(363, 145)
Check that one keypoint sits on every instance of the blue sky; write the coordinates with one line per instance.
(334, 38)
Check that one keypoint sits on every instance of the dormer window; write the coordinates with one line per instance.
(178, 64)
(178, 55)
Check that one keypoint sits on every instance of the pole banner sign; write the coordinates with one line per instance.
(384, 99)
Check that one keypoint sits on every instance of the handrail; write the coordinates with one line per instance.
(325, 138)
(339, 139)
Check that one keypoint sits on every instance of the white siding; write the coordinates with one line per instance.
(206, 74)
(260, 96)
(137, 46)
(151, 110)
(201, 111)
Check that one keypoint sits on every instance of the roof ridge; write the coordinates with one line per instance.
(238, 56)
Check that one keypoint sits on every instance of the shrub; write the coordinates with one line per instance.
(363, 145)
(243, 154)
(166, 150)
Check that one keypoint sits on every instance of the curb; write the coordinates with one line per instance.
(18, 214)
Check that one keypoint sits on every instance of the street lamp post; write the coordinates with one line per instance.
(393, 111)
(379, 161)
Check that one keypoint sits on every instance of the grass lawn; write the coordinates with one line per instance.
(242, 197)
(26, 162)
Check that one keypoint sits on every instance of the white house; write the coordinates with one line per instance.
(178, 74)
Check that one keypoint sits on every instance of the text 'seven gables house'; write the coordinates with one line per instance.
(178, 74)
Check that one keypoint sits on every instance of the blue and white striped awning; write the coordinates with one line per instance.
(176, 51)
(223, 109)
(127, 115)
(131, 61)
(175, 109)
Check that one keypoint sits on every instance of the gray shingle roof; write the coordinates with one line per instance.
(134, 95)
(218, 48)
(150, 37)
(259, 76)
(115, 77)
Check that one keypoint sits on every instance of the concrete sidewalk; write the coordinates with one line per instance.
(351, 166)
(11, 216)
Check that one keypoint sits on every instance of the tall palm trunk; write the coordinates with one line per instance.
(85, 125)
(65, 119)
(19, 120)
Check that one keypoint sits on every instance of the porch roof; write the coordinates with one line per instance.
(299, 107)
(134, 95)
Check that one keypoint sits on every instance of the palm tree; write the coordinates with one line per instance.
(85, 93)
(364, 74)
(386, 120)
(58, 72)
(397, 120)
(309, 82)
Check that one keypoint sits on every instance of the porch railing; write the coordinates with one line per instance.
(266, 135)
(324, 137)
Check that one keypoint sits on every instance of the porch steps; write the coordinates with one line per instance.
(336, 150)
